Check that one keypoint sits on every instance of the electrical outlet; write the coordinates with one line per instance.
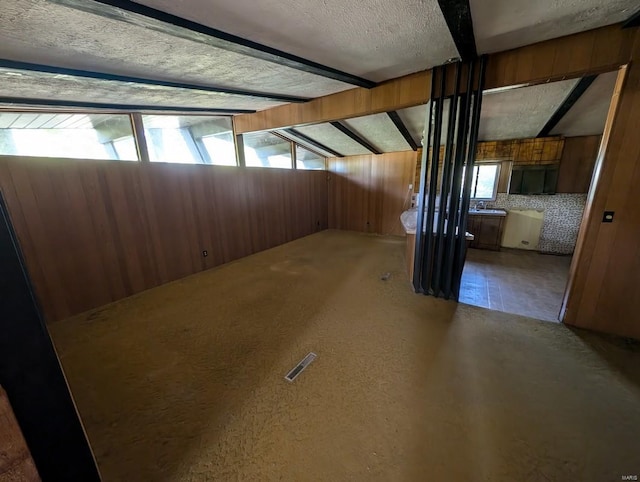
(205, 253)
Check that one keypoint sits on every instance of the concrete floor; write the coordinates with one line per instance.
(515, 281)
(185, 382)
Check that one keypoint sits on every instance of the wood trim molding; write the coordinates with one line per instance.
(591, 52)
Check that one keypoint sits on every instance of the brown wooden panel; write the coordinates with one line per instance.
(93, 232)
(577, 163)
(595, 51)
(367, 193)
(603, 287)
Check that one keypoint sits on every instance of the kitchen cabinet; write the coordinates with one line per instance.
(487, 231)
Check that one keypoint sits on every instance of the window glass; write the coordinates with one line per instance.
(189, 139)
(306, 159)
(484, 183)
(263, 149)
(77, 136)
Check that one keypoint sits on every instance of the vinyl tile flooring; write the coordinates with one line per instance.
(515, 281)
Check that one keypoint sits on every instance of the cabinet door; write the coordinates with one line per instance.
(490, 232)
(473, 225)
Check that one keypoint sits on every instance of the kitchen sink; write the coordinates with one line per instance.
(488, 212)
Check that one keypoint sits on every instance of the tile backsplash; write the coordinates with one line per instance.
(562, 217)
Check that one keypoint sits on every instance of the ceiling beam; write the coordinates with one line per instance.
(579, 89)
(288, 137)
(571, 57)
(356, 137)
(402, 128)
(457, 14)
(50, 69)
(632, 21)
(151, 18)
(16, 102)
(313, 142)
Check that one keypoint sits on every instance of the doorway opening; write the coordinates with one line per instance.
(535, 162)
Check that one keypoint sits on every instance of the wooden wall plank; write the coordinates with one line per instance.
(367, 193)
(93, 232)
(577, 163)
(604, 273)
(594, 51)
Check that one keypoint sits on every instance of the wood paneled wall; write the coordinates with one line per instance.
(368, 193)
(576, 157)
(605, 276)
(577, 163)
(539, 150)
(97, 231)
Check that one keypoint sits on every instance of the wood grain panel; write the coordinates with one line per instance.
(595, 51)
(604, 283)
(407, 91)
(577, 163)
(367, 193)
(93, 232)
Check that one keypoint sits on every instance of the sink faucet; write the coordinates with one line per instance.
(480, 205)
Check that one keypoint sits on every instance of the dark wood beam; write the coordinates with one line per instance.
(44, 103)
(402, 128)
(356, 137)
(457, 14)
(580, 88)
(311, 141)
(50, 69)
(151, 18)
(296, 142)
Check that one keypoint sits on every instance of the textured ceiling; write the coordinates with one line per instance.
(380, 131)
(41, 32)
(588, 115)
(521, 113)
(413, 118)
(304, 143)
(334, 139)
(507, 24)
(375, 39)
(36, 85)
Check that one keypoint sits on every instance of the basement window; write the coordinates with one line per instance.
(484, 184)
(189, 139)
(75, 136)
(263, 149)
(305, 159)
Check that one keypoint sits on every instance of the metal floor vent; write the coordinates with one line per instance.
(304, 363)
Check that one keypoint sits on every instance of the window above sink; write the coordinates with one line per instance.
(484, 183)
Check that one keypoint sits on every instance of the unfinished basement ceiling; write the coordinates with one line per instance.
(369, 38)
(506, 24)
(43, 32)
(589, 114)
(37, 85)
(521, 113)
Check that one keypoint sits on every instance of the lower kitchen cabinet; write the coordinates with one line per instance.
(487, 231)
